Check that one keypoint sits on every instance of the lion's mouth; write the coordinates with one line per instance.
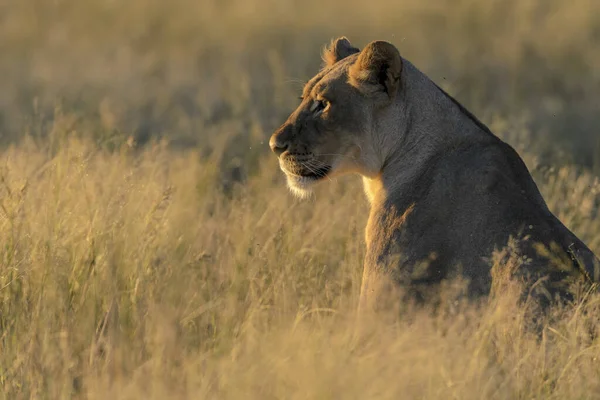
(316, 173)
(305, 171)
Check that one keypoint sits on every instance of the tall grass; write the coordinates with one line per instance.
(131, 274)
(149, 248)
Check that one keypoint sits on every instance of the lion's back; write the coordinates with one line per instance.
(478, 197)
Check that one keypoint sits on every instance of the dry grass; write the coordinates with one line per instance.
(186, 270)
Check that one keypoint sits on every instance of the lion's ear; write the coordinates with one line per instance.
(377, 68)
(337, 50)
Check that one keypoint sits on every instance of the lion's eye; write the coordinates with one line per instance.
(318, 106)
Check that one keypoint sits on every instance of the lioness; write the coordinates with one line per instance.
(445, 192)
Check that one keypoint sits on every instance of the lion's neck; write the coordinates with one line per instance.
(425, 123)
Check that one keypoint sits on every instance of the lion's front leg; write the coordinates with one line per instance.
(378, 292)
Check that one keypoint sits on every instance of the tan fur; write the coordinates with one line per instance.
(378, 57)
(444, 191)
(337, 50)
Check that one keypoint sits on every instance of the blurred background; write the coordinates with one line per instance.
(225, 73)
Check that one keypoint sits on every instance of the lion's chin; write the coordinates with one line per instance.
(301, 186)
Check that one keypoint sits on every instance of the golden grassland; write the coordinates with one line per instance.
(176, 265)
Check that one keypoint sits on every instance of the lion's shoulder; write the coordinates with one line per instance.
(484, 164)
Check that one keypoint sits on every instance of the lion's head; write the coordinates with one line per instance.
(332, 130)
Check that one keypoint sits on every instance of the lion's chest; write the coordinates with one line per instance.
(396, 245)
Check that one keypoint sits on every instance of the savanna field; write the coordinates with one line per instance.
(149, 248)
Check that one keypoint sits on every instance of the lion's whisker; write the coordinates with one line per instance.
(315, 171)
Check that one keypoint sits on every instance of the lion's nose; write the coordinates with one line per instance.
(277, 145)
